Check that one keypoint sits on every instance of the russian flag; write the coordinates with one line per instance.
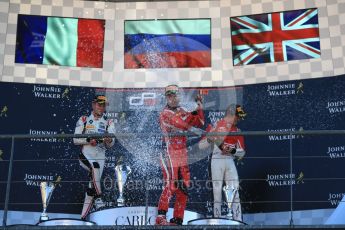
(167, 43)
(60, 41)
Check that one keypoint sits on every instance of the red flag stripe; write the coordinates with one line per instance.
(264, 37)
(190, 59)
(308, 12)
(278, 37)
(90, 43)
(247, 58)
(310, 49)
(245, 23)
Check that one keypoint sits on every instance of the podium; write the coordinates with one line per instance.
(215, 221)
(65, 222)
(134, 216)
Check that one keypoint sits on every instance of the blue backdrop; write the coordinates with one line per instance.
(317, 174)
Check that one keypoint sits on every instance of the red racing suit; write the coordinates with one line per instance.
(174, 159)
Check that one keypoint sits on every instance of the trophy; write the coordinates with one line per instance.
(230, 194)
(121, 171)
(47, 189)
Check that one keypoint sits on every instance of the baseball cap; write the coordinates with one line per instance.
(171, 89)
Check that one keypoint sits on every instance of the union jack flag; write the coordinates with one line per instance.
(274, 37)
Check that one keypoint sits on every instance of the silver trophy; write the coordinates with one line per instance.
(47, 189)
(230, 194)
(121, 171)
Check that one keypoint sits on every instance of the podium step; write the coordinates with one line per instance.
(215, 221)
(65, 222)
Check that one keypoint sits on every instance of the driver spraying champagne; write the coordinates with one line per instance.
(174, 159)
(223, 169)
(92, 156)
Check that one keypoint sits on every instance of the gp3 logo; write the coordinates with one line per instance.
(148, 99)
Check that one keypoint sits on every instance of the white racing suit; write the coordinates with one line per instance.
(92, 158)
(223, 169)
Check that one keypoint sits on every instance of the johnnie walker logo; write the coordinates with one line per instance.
(281, 137)
(1, 153)
(285, 136)
(281, 89)
(45, 139)
(336, 151)
(285, 89)
(215, 116)
(335, 198)
(35, 179)
(52, 92)
(277, 180)
(336, 106)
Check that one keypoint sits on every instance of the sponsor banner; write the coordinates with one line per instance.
(265, 174)
(51, 92)
(287, 179)
(284, 89)
(135, 216)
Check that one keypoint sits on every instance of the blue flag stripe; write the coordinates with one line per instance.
(31, 32)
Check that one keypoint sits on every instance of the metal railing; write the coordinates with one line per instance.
(14, 137)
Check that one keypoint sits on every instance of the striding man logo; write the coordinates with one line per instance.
(299, 179)
(65, 93)
(61, 139)
(1, 152)
(300, 135)
(300, 87)
(4, 111)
